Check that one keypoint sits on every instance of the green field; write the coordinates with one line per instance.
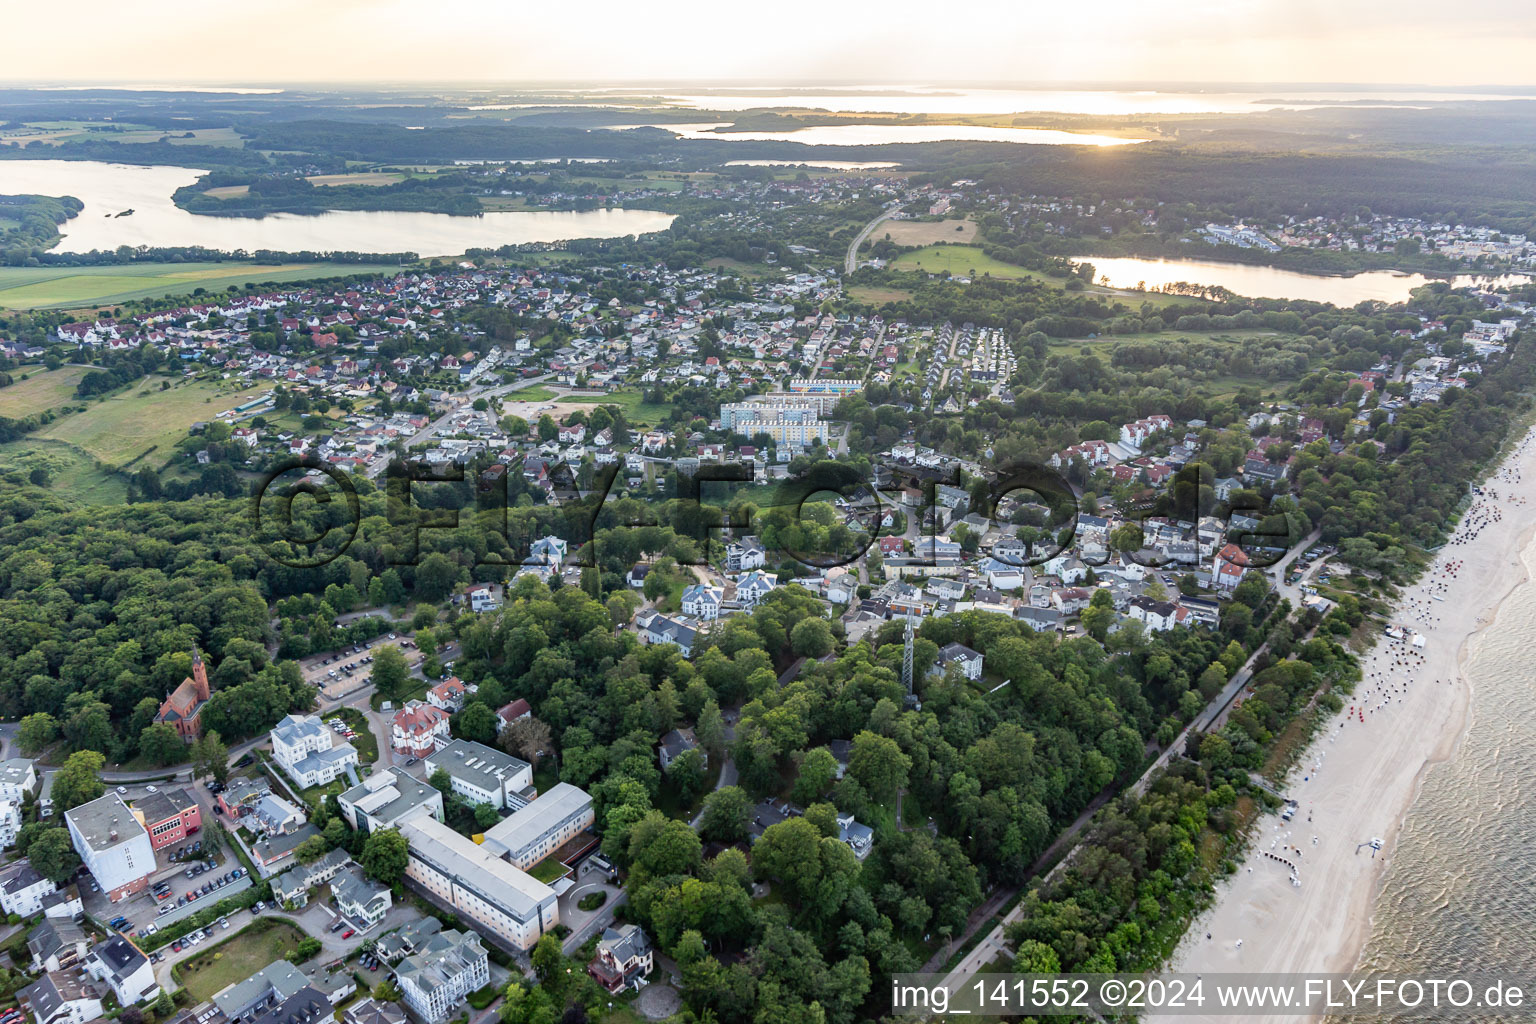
(71, 472)
(636, 409)
(41, 391)
(52, 287)
(218, 966)
(959, 260)
(144, 418)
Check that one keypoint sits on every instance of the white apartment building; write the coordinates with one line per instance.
(482, 774)
(302, 746)
(10, 822)
(449, 967)
(22, 889)
(18, 779)
(113, 845)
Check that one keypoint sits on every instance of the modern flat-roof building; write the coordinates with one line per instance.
(169, 817)
(450, 966)
(385, 799)
(533, 833)
(483, 775)
(509, 906)
(114, 846)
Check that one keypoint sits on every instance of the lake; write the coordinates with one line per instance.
(1268, 282)
(108, 189)
(884, 134)
(919, 99)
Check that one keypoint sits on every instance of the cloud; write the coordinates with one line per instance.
(846, 40)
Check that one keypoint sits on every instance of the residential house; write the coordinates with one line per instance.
(674, 743)
(449, 695)
(623, 958)
(359, 899)
(745, 555)
(57, 944)
(246, 1000)
(61, 997)
(702, 601)
(970, 661)
(1001, 575)
(860, 838)
(22, 889)
(124, 969)
(373, 1011)
(661, 629)
(418, 729)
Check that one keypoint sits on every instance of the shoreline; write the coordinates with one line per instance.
(1360, 780)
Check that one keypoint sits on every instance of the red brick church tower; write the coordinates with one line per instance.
(183, 709)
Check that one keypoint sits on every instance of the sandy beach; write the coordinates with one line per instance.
(1359, 778)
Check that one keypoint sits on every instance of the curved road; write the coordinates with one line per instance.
(851, 262)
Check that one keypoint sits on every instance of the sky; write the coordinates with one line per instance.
(1486, 42)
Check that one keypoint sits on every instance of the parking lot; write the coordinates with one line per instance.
(142, 915)
(341, 671)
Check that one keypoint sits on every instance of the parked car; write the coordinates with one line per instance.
(338, 924)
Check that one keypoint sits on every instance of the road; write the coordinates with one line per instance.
(851, 262)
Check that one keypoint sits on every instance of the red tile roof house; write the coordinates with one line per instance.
(512, 712)
(1229, 565)
(419, 729)
(448, 695)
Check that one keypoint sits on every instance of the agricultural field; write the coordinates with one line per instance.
(875, 295)
(55, 132)
(362, 178)
(70, 287)
(41, 391)
(144, 419)
(68, 471)
(917, 232)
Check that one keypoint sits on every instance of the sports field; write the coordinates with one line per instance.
(41, 391)
(66, 287)
(143, 418)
